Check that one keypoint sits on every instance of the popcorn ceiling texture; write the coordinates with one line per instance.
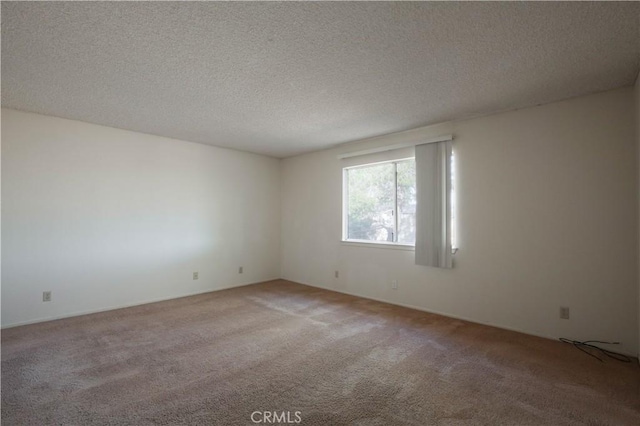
(286, 78)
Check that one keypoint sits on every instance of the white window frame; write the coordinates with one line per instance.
(345, 206)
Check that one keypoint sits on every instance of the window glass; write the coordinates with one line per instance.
(406, 202)
(371, 203)
(381, 202)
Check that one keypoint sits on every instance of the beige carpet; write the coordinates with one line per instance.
(215, 359)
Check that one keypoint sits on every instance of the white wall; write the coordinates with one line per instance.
(547, 217)
(107, 218)
(547, 206)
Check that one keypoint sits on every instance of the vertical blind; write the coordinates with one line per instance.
(433, 209)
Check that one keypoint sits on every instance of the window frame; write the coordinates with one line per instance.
(345, 207)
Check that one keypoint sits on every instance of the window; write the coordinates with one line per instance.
(380, 202)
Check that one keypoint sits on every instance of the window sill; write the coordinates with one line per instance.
(372, 244)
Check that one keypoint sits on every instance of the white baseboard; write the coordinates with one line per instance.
(444, 314)
(404, 305)
(128, 305)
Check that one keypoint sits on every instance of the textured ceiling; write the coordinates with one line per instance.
(287, 78)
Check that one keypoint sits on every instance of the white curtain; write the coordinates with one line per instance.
(433, 198)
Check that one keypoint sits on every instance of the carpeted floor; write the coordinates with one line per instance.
(215, 359)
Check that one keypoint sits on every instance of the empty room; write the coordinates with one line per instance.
(320, 213)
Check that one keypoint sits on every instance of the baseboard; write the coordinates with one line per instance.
(404, 305)
(444, 314)
(128, 305)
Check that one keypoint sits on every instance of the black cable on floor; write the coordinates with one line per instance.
(588, 344)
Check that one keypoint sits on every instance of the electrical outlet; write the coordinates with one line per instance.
(336, 274)
(195, 275)
(394, 284)
(564, 312)
(46, 296)
(240, 269)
